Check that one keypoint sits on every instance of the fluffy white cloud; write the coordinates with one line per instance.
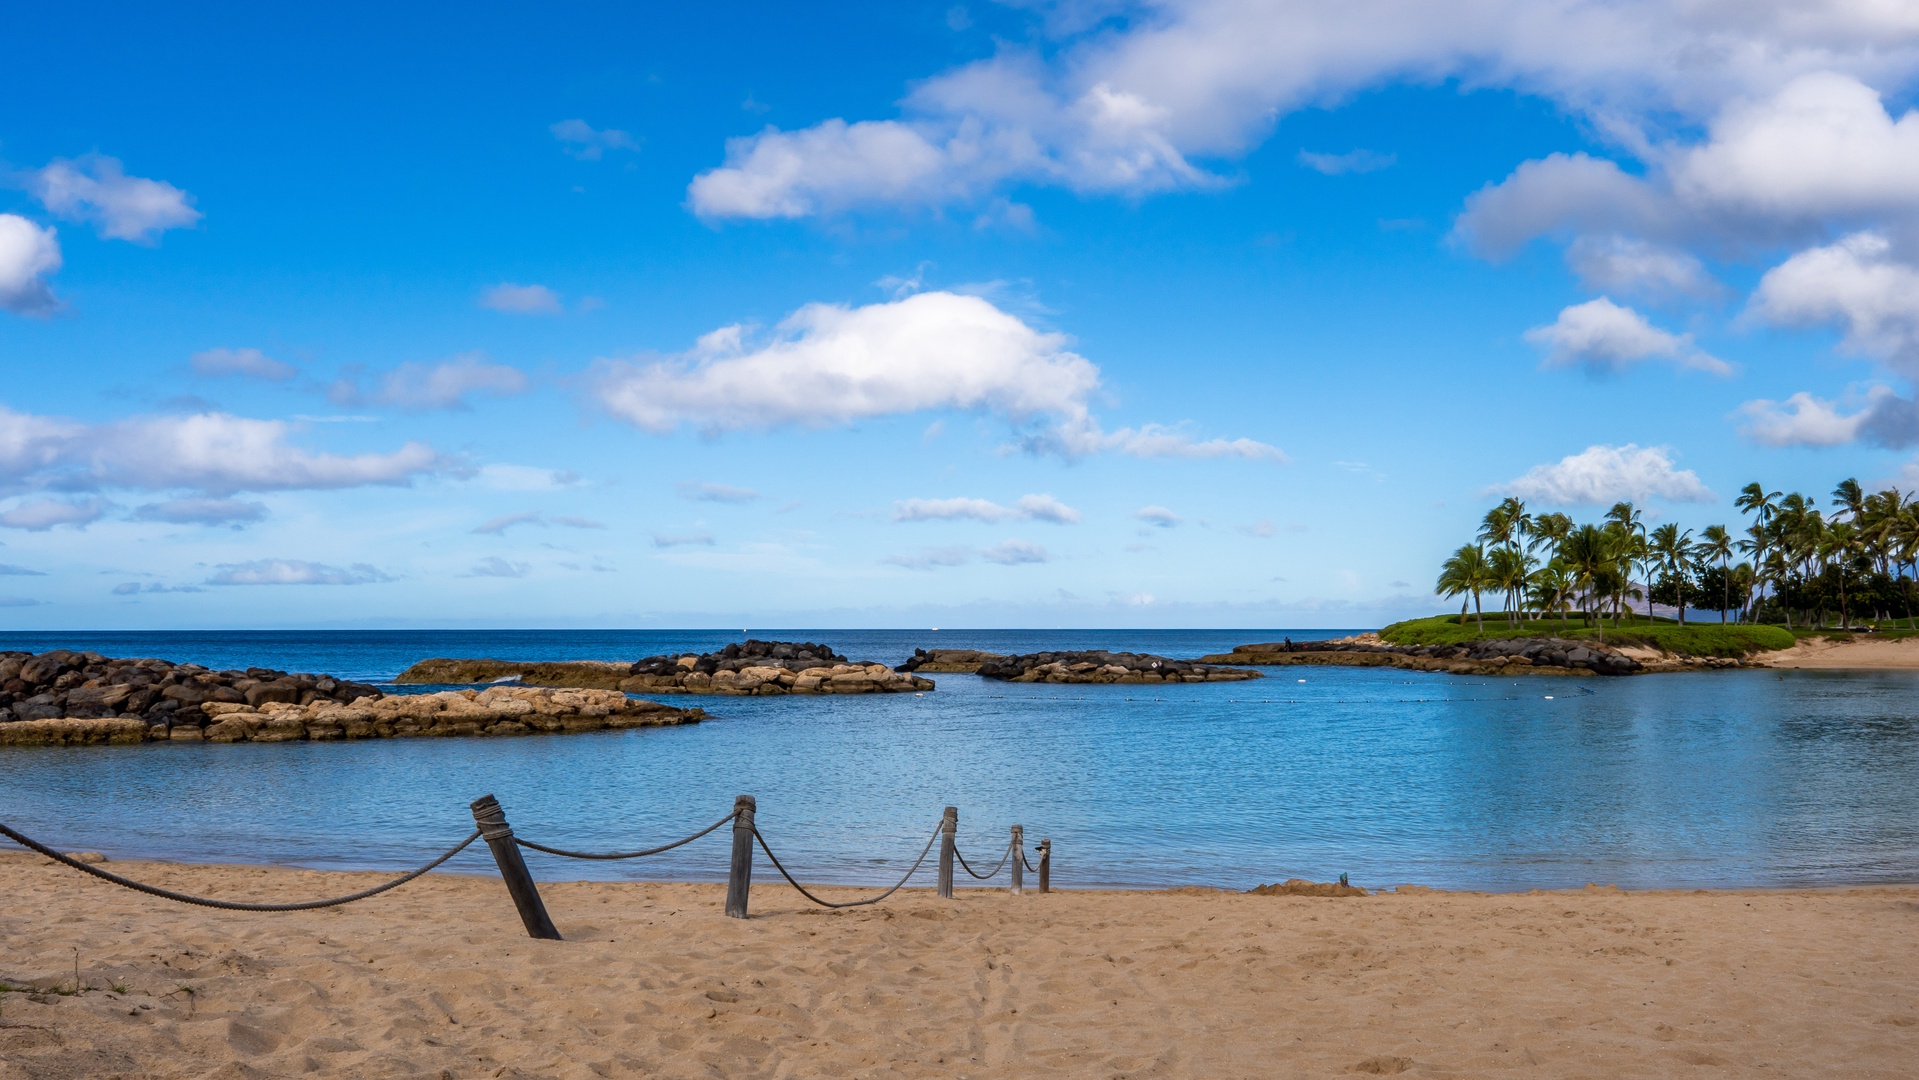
(234, 512)
(583, 141)
(1603, 337)
(445, 385)
(211, 452)
(831, 365)
(1029, 507)
(249, 362)
(1856, 284)
(1885, 419)
(28, 253)
(39, 515)
(1352, 161)
(1821, 152)
(1627, 265)
(1123, 107)
(1158, 516)
(1015, 553)
(521, 299)
(295, 572)
(97, 189)
(527, 478)
(1599, 475)
(719, 493)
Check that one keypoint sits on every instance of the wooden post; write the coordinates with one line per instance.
(949, 824)
(519, 882)
(1019, 861)
(1045, 866)
(739, 878)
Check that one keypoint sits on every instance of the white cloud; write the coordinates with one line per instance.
(39, 515)
(28, 253)
(829, 365)
(211, 452)
(719, 493)
(1603, 337)
(1353, 161)
(134, 588)
(10, 570)
(1158, 516)
(1126, 105)
(687, 539)
(1634, 266)
(1599, 475)
(295, 572)
(521, 299)
(1046, 508)
(96, 189)
(499, 525)
(445, 385)
(494, 566)
(1262, 529)
(1015, 553)
(951, 510)
(1885, 419)
(526, 478)
(249, 362)
(234, 512)
(1856, 284)
(569, 521)
(1028, 508)
(932, 558)
(581, 140)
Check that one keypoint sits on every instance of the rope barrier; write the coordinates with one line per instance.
(990, 874)
(624, 854)
(850, 903)
(230, 905)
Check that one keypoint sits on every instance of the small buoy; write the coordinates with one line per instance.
(919, 695)
(1549, 697)
(1302, 680)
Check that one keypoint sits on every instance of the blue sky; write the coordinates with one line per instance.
(1190, 313)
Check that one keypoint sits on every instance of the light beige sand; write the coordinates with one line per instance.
(1861, 653)
(438, 980)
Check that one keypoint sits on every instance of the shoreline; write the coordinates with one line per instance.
(438, 978)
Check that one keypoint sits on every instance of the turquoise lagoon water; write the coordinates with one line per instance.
(1736, 778)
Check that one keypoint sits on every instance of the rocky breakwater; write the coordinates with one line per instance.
(1096, 666)
(72, 698)
(1482, 656)
(751, 667)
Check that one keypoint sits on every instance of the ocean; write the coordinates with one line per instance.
(1711, 779)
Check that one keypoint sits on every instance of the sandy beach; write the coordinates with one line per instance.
(438, 980)
(1860, 654)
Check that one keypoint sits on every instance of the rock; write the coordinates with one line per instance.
(130, 701)
(1100, 666)
(1482, 656)
(750, 667)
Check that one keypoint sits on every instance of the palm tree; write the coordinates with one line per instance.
(1626, 518)
(1467, 571)
(1716, 543)
(1588, 557)
(1552, 586)
(1756, 500)
(1838, 547)
(1511, 568)
(1672, 552)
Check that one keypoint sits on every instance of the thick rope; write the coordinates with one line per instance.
(623, 854)
(229, 905)
(990, 874)
(850, 903)
(1030, 868)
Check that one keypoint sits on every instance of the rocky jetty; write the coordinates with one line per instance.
(72, 698)
(749, 667)
(1097, 666)
(1482, 656)
(950, 661)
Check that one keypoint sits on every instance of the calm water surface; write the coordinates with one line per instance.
(1712, 779)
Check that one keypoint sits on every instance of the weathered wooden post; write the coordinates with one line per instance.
(1019, 861)
(739, 878)
(1045, 866)
(949, 824)
(519, 882)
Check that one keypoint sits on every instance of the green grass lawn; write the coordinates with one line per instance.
(1692, 639)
